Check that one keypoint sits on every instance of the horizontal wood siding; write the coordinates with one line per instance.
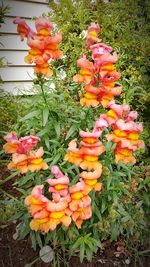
(11, 42)
(19, 88)
(13, 57)
(18, 75)
(26, 9)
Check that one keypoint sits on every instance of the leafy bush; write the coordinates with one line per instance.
(120, 207)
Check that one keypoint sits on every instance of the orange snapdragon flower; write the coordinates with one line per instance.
(89, 100)
(23, 29)
(80, 203)
(28, 162)
(126, 137)
(58, 213)
(43, 69)
(91, 150)
(87, 156)
(74, 155)
(90, 179)
(46, 214)
(124, 155)
(43, 45)
(92, 34)
(86, 72)
(12, 143)
(37, 205)
(100, 83)
(100, 49)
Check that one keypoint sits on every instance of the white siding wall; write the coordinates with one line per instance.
(18, 75)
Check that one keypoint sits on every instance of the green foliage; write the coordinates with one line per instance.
(87, 246)
(3, 12)
(11, 109)
(72, 17)
(7, 210)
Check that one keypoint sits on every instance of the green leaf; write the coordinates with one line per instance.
(57, 129)
(118, 174)
(96, 211)
(72, 130)
(126, 218)
(48, 237)
(24, 231)
(38, 238)
(97, 243)
(54, 115)
(89, 254)
(122, 210)
(55, 142)
(45, 115)
(23, 191)
(17, 215)
(46, 139)
(31, 115)
(114, 232)
(82, 250)
(33, 239)
(23, 180)
(108, 182)
(103, 207)
(76, 244)
(56, 158)
(42, 132)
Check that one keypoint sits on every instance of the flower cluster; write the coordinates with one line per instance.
(24, 158)
(125, 131)
(43, 45)
(86, 157)
(67, 204)
(72, 203)
(100, 76)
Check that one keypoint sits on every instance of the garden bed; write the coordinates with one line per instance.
(18, 253)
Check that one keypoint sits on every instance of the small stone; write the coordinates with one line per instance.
(127, 261)
(3, 226)
(15, 236)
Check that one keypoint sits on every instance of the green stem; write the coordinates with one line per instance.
(43, 94)
(34, 261)
(8, 178)
(9, 195)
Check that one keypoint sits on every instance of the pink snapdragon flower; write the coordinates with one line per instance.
(92, 34)
(43, 23)
(99, 49)
(59, 186)
(23, 29)
(20, 146)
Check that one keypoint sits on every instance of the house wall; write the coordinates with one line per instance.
(17, 75)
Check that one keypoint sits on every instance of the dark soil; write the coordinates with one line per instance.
(18, 253)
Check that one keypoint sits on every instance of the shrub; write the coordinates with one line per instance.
(75, 216)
